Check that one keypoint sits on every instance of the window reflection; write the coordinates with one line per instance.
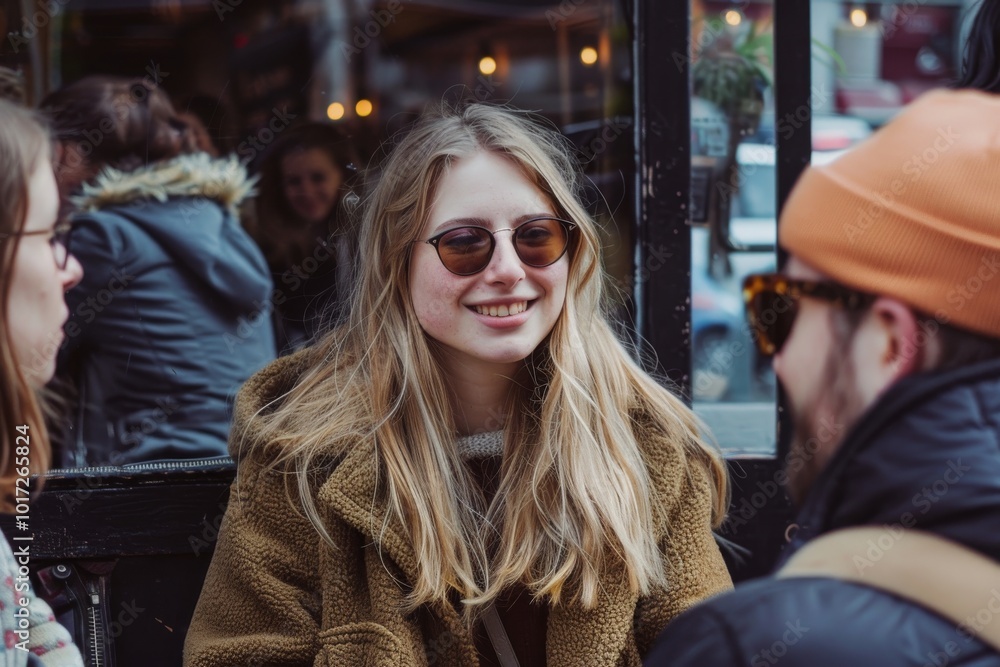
(732, 203)
(733, 216)
(868, 61)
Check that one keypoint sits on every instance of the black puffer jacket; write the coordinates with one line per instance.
(928, 453)
(173, 313)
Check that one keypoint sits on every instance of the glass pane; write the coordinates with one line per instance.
(868, 61)
(873, 58)
(733, 216)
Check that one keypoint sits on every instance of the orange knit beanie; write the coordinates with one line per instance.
(913, 212)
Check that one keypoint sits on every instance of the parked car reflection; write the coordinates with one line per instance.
(725, 365)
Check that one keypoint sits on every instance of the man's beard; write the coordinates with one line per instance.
(820, 423)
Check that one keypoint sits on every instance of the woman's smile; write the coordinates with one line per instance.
(513, 305)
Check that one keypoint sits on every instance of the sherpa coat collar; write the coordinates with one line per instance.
(222, 180)
(275, 593)
(605, 631)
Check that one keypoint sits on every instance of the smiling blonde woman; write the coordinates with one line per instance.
(473, 455)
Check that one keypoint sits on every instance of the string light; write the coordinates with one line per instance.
(335, 111)
(487, 65)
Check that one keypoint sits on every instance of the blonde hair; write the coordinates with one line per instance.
(23, 144)
(575, 494)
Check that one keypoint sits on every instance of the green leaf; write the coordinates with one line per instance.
(828, 50)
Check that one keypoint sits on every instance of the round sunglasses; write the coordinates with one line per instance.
(467, 250)
(772, 302)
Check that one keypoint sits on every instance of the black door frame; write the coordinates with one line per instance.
(662, 293)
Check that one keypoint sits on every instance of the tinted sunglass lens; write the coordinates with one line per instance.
(761, 332)
(786, 309)
(773, 316)
(465, 250)
(541, 242)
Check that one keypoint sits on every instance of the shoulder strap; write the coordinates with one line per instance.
(498, 637)
(944, 576)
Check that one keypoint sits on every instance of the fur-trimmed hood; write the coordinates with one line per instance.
(223, 180)
(184, 208)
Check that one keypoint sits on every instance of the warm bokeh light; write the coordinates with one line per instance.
(487, 65)
(859, 18)
(588, 55)
(363, 108)
(733, 17)
(335, 111)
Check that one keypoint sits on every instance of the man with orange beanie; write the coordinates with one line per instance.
(885, 331)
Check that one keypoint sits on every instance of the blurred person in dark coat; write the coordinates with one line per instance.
(885, 328)
(174, 311)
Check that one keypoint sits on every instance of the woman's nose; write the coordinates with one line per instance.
(505, 266)
(72, 274)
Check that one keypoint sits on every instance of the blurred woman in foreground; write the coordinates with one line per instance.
(35, 270)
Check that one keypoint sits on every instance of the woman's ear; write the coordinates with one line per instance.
(890, 345)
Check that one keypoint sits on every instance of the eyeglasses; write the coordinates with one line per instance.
(772, 302)
(538, 242)
(58, 239)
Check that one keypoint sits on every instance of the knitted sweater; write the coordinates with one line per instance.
(277, 594)
(39, 634)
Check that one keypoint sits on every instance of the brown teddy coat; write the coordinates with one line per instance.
(277, 594)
